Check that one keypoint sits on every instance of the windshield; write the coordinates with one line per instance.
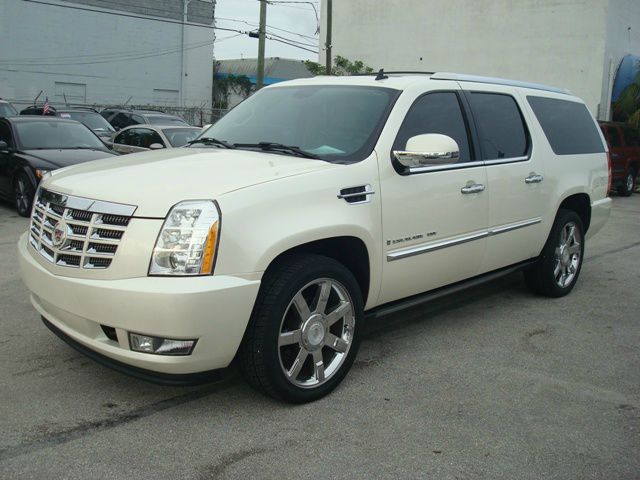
(165, 120)
(50, 134)
(93, 120)
(180, 136)
(7, 110)
(334, 122)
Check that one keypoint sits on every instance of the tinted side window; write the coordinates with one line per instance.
(120, 121)
(500, 126)
(438, 112)
(5, 134)
(122, 138)
(569, 126)
(136, 120)
(631, 138)
(614, 137)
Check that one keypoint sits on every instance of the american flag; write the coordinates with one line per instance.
(45, 110)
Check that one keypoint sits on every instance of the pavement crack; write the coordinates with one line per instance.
(90, 427)
(615, 250)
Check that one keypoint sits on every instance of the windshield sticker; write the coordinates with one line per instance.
(65, 115)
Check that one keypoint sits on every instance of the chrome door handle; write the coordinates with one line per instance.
(474, 188)
(534, 179)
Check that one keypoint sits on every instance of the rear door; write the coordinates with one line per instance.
(515, 175)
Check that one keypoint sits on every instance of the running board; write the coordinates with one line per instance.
(415, 300)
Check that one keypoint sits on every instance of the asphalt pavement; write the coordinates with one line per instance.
(493, 383)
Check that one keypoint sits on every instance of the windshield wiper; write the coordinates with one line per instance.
(211, 141)
(278, 147)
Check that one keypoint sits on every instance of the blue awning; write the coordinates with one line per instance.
(627, 71)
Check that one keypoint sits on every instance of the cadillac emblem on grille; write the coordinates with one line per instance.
(78, 232)
(59, 234)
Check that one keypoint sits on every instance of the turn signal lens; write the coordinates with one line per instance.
(188, 240)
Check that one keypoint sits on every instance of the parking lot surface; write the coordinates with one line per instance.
(492, 383)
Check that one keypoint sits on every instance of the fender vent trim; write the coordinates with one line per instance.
(357, 194)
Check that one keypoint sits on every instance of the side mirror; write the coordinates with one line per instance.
(428, 150)
(156, 146)
(4, 146)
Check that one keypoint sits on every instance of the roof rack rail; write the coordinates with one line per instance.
(497, 81)
(391, 72)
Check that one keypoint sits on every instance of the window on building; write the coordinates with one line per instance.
(501, 129)
(568, 126)
(438, 112)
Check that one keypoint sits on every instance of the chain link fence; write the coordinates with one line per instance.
(198, 116)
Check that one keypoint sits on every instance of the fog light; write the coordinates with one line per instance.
(159, 345)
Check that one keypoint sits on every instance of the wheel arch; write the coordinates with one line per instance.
(581, 204)
(350, 251)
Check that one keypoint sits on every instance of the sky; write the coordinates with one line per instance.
(295, 17)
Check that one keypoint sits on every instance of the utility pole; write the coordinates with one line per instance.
(185, 17)
(328, 39)
(261, 40)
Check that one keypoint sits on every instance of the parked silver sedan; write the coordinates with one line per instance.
(138, 138)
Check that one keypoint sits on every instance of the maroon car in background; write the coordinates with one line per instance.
(624, 148)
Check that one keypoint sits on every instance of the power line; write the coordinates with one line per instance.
(253, 24)
(140, 17)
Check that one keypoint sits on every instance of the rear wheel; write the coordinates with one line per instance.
(558, 268)
(628, 185)
(23, 194)
(304, 331)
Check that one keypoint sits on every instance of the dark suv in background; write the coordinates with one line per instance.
(85, 115)
(120, 118)
(624, 147)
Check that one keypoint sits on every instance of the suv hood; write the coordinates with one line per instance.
(155, 181)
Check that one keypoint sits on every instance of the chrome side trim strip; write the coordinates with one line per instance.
(500, 161)
(420, 249)
(442, 168)
(514, 226)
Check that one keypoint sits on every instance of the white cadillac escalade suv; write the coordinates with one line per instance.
(309, 207)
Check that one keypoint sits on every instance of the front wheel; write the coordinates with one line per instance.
(558, 268)
(23, 194)
(304, 331)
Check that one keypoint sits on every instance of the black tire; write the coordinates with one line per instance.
(542, 277)
(262, 360)
(628, 184)
(23, 193)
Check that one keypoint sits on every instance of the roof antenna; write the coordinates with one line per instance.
(381, 75)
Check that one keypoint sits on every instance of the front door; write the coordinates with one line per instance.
(434, 220)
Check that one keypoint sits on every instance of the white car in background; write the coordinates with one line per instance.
(139, 138)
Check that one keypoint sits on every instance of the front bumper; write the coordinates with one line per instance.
(214, 309)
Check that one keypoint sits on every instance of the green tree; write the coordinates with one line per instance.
(341, 66)
(627, 107)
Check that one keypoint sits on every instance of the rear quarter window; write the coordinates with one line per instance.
(568, 126)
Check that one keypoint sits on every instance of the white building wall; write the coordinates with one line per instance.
(105, 58)
(557, 42)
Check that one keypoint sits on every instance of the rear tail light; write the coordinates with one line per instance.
(608, 173)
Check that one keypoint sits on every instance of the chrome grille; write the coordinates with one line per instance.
(77, 232)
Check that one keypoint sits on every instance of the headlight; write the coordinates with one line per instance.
(188, 240)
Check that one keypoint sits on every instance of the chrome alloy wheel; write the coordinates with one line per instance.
(568, 255)
(630, 181)
(22, 195)
(316, 333)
